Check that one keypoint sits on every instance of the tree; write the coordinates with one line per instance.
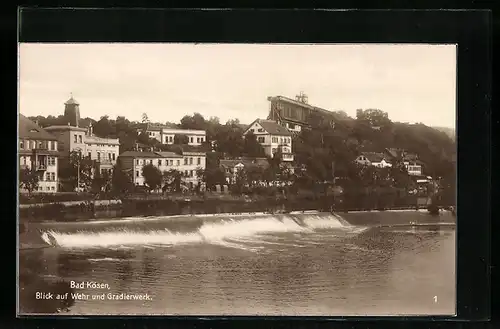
(196, 121)
(211, 176)
(374, 117)
(101, 181)
(121, 182)
(77, 169)
(152, 176)
(240, 181)
(181, 139)
(252, 148)
(173, 181)
(28, 180)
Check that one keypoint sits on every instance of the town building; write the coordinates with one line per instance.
(103, 151)
(412, 163)
(166, 134)
(374, 159)
(296, 114)
(186, 163)
(231, 167)
(274, 138)
(38, 152)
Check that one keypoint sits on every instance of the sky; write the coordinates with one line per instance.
(413, 83)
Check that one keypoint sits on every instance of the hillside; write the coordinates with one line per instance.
(448, 131)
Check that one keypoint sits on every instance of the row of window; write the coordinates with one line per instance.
(199, 140)
(282, 140)
(51, 161)
(110, 157)
(103, 145)
(187, 173)
(187, 161)
(78, 138)
(49, 177)
(48, 188)
(32, 144)
(414, 168)
(260, 130)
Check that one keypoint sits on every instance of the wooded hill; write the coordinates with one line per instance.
(323, 150)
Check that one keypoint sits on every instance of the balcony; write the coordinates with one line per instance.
(41, 167)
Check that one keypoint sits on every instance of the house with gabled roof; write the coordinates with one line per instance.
(274, 138)
(375, 159)
(410, 160)
(38, 153)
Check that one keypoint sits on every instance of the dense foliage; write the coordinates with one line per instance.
(324, 153)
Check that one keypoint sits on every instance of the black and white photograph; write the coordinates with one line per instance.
(205, 179)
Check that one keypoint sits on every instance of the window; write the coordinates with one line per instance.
(24, 160)
(137, 162)
(190, 139)
(202, 139)
(21, 145)
(199, 161)
(80, 138)
(261, 130)
(98, 155)
(150, 162)
(170, 139)
(185, 161)
(40, 145)
(76, 140)
(190, 161)
(33, 144)
(198, 139)
(275, 150)
(171, 162)
(109, 156)
(261, 139)
(178, 162)
(275, 139)
(252, 130)
(291, 126)
(159, 162)
(52, 188)
(137, 173)
(53, 176)
(191, 173)
(185, 173)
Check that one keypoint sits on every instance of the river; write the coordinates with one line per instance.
(245, 264)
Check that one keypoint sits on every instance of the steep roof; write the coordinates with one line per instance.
(71, 101)
(63, 128)
(272, 127)
(373, 156)
(138, 154)
(30, 130)
(169, 155)
(246, 162)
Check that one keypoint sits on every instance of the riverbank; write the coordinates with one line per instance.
(208, 203)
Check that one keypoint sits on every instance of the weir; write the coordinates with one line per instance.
(174, 230)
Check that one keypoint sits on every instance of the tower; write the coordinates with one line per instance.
(72, 112)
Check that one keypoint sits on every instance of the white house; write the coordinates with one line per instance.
(166, 135)
(273, 138)
(187, 163)
(38, 152)
(373, 159)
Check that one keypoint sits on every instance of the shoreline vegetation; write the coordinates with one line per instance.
(81, 206)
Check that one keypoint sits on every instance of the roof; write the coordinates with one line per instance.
(247, 162)
(374, 156)
(72, 101)
(30, 130)
(138, 154)
(95, 139)
(63, 127)
(168, 155)
(306, 105)
(272, 127)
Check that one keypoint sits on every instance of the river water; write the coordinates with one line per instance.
(254, 264)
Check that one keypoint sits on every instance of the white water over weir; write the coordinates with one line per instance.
(219, 229)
